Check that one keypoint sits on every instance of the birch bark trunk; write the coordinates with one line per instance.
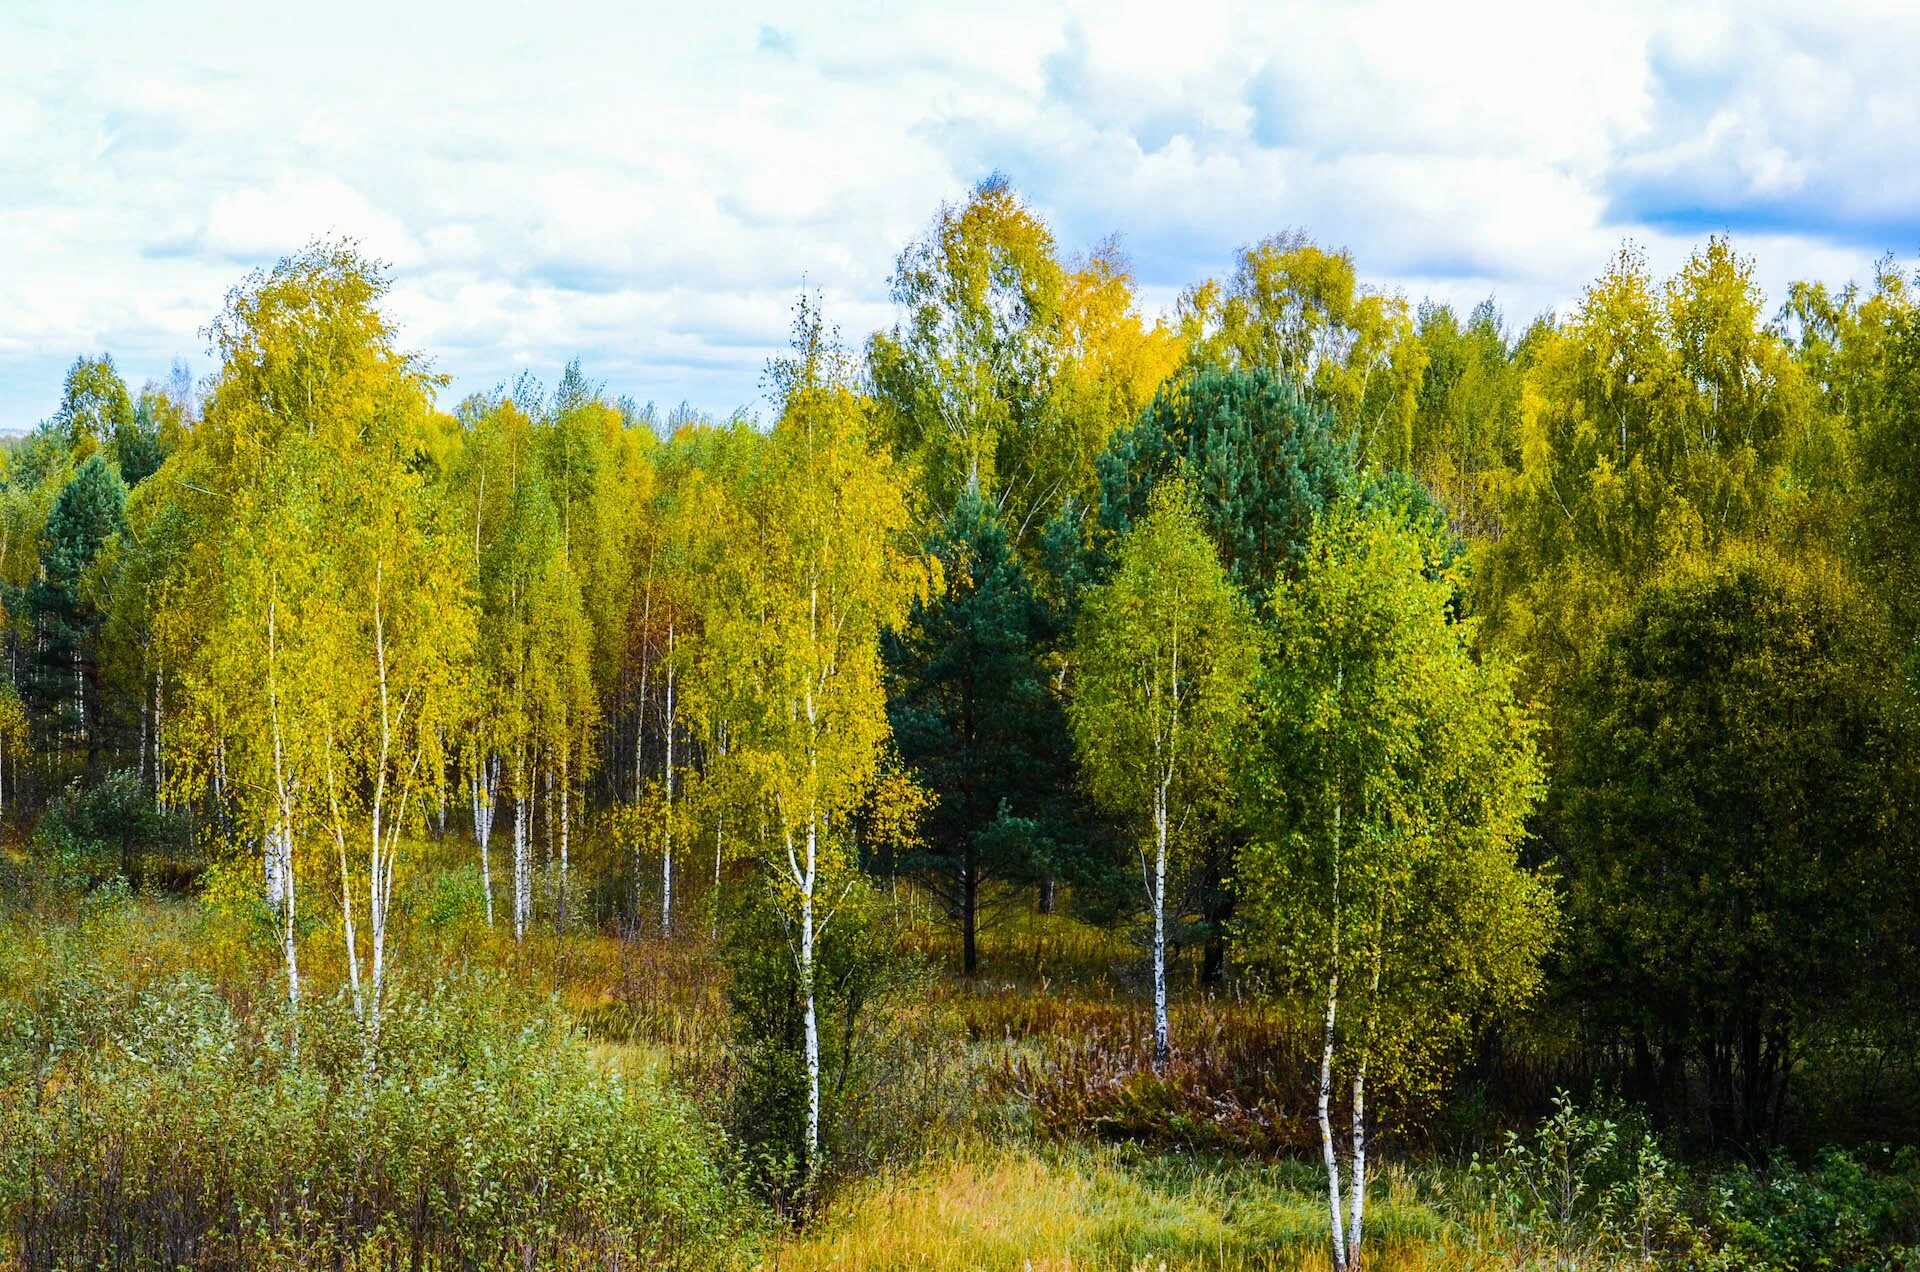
(1327, 1150)
(1162, 1030)
(812, 1023)
(482, 785)
(522, 867)
(666, 859)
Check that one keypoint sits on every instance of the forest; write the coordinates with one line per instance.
(1315, 779)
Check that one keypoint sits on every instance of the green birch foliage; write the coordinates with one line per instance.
(1388, 774)
(1299, 310)
(1662, 419)
(1163, 653)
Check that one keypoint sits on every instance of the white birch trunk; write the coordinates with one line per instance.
(811, 1022)
(522, 869)
(290, 945)
(805, 881)
(1358, 1181)
(481, 785)
(1326, 1126)
(1326, 1066)
(1162, 1030)
(566, 784)
(159, 727)
(666, 859)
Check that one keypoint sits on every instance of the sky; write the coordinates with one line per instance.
(648, 187)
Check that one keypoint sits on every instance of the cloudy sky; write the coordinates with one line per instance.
(650, 191)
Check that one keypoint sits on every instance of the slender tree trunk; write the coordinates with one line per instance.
(566, 823)
(1358, 1181)
(290, 943)
(666, 859)
(805, 881)
(522, 866)
(159, 726)
(812, 1023)
(482, 785)
(1326, 1125)
(1326, 1066)
(280, 835)
(1162, 1031)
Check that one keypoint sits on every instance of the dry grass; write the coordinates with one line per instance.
(1070, 1209)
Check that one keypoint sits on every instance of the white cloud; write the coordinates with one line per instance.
(648, 189)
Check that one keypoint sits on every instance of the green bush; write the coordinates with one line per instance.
(154, 1128)
(1593, 1187)
(888, 1084)
(112, 828)
(1842, 1212)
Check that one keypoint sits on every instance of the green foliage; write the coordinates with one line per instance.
(112, 828)
(1009, 371)
(963, 378)
(1737, 799)
(63, 690)
(887, 1092)
(1261, 459)
(1162, 654)
(973, 714)
(1594, 1187)
(94, 405)
(1661, 419)
(1390, 773)
(1467, 426)
(1840, 1212)
(1295, 308)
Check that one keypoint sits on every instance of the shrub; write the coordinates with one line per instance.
(889, 1081)
(1594, 1187)
(93, 832)
(1839, 1213)
(155, 1128)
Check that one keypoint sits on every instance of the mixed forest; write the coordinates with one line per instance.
(1314, 779)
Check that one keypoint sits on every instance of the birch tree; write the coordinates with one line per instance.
(830, 567)
(1390, 774)
(243, 612)
(328, 629)
(1164, 651)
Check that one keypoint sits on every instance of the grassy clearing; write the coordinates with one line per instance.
(1073, 1207)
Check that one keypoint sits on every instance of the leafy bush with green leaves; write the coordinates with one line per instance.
(1593, 1186)
(887, 1085)
(96, 831)
(1859, 1213)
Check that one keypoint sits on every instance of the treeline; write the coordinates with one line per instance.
(1398, 662)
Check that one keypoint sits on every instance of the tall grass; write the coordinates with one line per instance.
(1069, 1207)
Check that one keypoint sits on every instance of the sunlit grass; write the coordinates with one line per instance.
(1072, 1207)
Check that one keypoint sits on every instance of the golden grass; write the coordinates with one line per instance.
(1074, 1209)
